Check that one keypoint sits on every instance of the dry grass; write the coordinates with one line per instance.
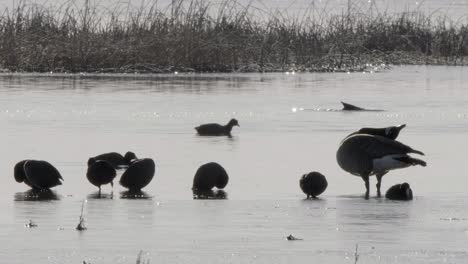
(189, 36)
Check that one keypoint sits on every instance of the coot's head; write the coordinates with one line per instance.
(222, 179)
(19, 174)
(405, 186)
(233, 122)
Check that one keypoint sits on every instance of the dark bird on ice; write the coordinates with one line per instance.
(313, 184)
(400, 192)
(208, 176)
(37, 174)
(138, 175)
(100, 172)
(364, 155)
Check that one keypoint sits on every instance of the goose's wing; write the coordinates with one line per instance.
(377, 146)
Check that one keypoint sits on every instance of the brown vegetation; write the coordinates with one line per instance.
(191, 37)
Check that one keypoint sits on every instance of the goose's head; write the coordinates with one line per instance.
(393, 131)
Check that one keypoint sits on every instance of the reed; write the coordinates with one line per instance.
(192, 35)
(356, 255)
(81, 224)
(141, 258)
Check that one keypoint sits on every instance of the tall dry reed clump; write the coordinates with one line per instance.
(191, 35)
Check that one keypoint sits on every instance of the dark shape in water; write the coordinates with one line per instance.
(37, 174)
(210, 175)
(401, 192)
(390, 132)
(213, 129)
(135, 195)
(138, 175)
(291, 238)
(210, 195)
(100, 172)
(115, 159)
(36, 195)
(31, 224)
(350, 107)
(313, 184)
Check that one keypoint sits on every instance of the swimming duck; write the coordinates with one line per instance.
(216, 129)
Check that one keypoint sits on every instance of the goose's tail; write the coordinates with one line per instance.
(412, 161)
(417, 152)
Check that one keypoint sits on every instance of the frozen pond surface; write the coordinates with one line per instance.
(287, 128)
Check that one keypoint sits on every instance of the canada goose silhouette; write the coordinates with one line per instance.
(100, 172)
(350, 107)
(365, 155)
(115, 159)
(37, 174)
(216, 129)
(390, 132)
(138, 175)
(313, 184)
(401, 192)
(208, 176)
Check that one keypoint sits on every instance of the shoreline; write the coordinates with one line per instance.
(149, 69)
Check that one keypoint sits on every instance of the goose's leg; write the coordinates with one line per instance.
(112, 190)
(379, 181)
(366, 180)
